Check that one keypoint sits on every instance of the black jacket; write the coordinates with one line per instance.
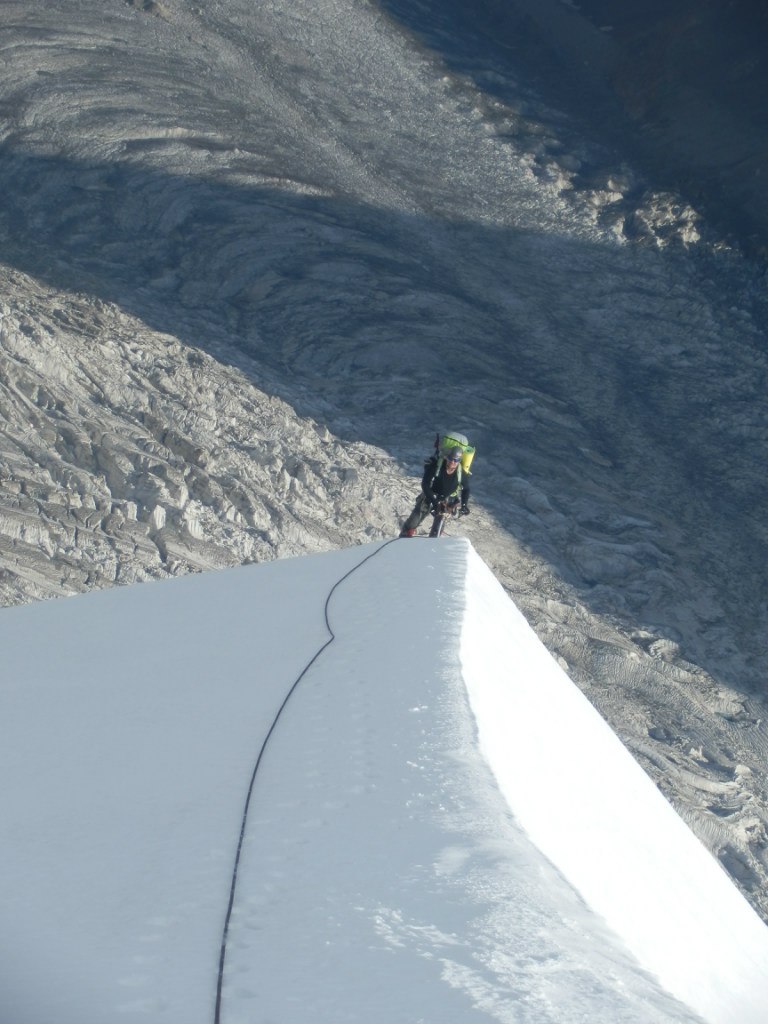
(442, 485)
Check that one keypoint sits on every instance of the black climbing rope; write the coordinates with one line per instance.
(246, 807)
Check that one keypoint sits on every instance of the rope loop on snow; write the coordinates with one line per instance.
(270, 731)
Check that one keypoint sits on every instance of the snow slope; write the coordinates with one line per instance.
(403, 858)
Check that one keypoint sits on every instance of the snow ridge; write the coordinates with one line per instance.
(381, 875)
(594, 812)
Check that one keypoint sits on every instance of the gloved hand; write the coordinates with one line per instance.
(464, 510)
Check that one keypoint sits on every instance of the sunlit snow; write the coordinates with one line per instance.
(440, 828)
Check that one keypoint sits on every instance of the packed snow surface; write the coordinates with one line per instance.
(436, 824)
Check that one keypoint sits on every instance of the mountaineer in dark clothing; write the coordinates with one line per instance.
(444, 486)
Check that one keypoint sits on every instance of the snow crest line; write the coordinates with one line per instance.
(270, 731)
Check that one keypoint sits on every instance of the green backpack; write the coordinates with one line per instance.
(444, 443)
